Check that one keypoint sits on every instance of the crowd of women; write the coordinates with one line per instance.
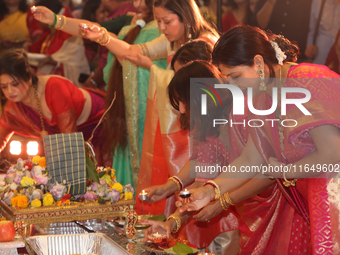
(155, 136)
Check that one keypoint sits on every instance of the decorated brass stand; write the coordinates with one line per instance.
(77, 211)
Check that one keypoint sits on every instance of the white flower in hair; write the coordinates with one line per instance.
(141, 23)
(280, 55)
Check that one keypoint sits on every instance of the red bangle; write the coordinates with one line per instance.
(180, 182)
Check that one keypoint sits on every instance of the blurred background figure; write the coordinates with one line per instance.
(65, 53)
(287, 17)
(93, 11)
(333, 59)
(208, 9)
(239, 14)
(77, 12)
(323, 26)
(115, 9)
(13, 29)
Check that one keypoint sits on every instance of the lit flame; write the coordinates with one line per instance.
(32, 148)
(15, 148)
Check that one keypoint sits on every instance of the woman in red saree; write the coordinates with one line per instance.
(165, 147)
(43, 105)
(66, 53)
(302, 218)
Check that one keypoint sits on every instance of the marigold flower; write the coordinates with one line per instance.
(36, 203)
(35, 160)
(42, 162)
(128, 195)
(48, 199)
(19, 201)
(27, 182)
(117, 186)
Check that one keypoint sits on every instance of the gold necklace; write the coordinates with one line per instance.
(43, 132)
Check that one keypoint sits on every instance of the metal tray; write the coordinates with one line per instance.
(80, 244)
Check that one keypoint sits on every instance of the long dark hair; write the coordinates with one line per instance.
(241, 44)
(53, 5)
(15, 64)
(189, 14)
(23, 7)
(179, 91)
(115, 124)
(89, 10)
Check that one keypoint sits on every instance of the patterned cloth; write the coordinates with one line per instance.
(66, 160)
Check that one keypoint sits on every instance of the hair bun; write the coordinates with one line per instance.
(290, 49)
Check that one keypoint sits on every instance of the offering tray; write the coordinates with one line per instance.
(76, 211)
(91, 243)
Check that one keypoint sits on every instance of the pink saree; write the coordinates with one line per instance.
(282, 228)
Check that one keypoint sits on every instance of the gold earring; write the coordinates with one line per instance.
(189, 33)
(263, 86)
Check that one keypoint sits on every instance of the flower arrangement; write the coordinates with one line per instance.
(27, 184)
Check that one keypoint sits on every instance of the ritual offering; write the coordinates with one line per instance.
(156, 237)
(34, 9)
(143, 196)
(185, 193)
(29, 194)
(84, 26)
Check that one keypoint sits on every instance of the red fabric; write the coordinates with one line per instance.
(49, 44)
(159, 167)
(228, 21)
(33, 26)
(62, 95)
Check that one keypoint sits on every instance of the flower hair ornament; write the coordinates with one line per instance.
(141, 23)
(280, 55)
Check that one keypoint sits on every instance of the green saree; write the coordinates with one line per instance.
(136, 83)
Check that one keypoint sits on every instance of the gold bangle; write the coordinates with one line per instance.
(64, 22)
(60, 22)
(108, 40)
(174, 180)
(178, 222)
(228, 199)
(217, 189)
(224, 204)
(101, 41)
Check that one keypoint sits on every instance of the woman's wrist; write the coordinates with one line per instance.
(210, 191)
(172, 224)
(171, 187)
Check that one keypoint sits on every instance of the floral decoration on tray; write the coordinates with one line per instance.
(27, 184)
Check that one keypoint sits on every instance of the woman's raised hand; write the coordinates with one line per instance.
(199, 198)
(43, 14)
(91, 31)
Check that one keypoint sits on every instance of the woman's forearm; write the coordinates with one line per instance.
(72, 26)
(184, 174)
